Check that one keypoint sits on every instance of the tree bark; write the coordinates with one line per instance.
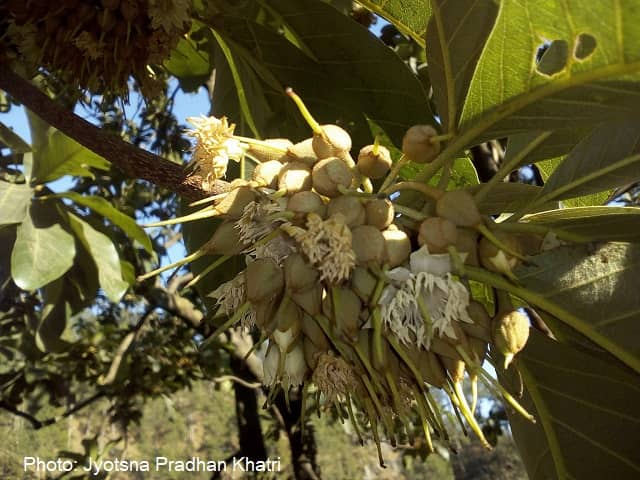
(132, 161)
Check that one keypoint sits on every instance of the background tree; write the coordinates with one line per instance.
(77, 327)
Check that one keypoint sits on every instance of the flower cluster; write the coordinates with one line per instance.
(359, 299)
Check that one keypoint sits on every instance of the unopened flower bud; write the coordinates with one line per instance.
(437, 234)
(302, 203)
(417, 144)
(510, 334)
(497, 260)
(374, 165)
(334, 141)
(303, 152)
(397, 246)
(380, 213)
(368, 244)
(459, 207)
(266, 174)
(329, 174)
(295, 177)
(350, 207)
(264, 279)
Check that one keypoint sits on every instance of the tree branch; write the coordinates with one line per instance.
(132, 161)
(38, 424)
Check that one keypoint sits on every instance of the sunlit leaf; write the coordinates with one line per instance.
(60, 155)
(409, 17)
(43, 251)
(586, 411)
(606, 158)
(592, 289)
(12, 140)
(593, 223)
(509, 94)
(105, 257)
(115, 216)
(14, 199)
(457, 31)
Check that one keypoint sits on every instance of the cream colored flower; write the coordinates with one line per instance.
(254, 222)
(169, 14)
(214, 147)
(295, 367)
(327, 245)
(419, 303)
(230, 296)
(277, 249)
(271, 364)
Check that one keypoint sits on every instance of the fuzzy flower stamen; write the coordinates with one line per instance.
(327, 245)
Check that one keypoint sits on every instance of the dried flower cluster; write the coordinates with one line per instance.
(357, 297)
(95, 44)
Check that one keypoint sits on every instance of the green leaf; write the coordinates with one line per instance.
(355, 75)
(105, 256)
(507, 197)
(7, 240)
(592, 289)
(509, 94)
(606, 158)
(586, 411)
(456, 33)
(12, 140)
(43, 251)
(115, 216)
(60, 155)
(250, 100)
(55, 313)
(463, 174)
(547, 168)
(14, 199)
(554, 145)
(593, 223)
(409, 16)
(190, 62)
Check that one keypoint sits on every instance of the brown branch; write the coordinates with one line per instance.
(131, 160)
(38, 424)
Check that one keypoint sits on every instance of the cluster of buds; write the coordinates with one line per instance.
(355, 295)
(96, 44)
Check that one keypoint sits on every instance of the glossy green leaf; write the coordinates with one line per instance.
(14, 199)
(43, 251)
(115, 216)
(12, 140)
(606, 158)
(410, 17)
(105, 256)
(592, 289)
(586, 411)
(56, 155)
(546, 169)
(593, 223)
(456, 34)
(509, 94)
